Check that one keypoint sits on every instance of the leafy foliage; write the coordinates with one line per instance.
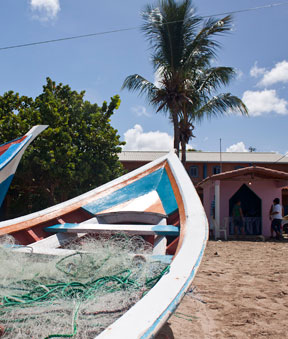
(77, 152)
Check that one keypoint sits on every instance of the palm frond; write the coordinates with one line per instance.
(137, 83)
(220, 105)
(215, 77)
(202, 47)
(168, 28)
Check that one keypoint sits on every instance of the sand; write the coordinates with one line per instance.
(240, 291)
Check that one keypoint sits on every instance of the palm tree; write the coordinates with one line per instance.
(181, 54)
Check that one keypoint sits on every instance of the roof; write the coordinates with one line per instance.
(253, 171)
(236, 157)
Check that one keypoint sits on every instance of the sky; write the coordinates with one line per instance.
(256, 48)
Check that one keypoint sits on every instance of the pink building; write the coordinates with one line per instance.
(255, 187)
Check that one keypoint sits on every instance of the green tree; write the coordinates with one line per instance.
(77, 152)
(11, 107)
(181, 53)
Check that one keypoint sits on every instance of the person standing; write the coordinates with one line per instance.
(238, 218)
(276, 216)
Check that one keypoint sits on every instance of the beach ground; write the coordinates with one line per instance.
(240, 291)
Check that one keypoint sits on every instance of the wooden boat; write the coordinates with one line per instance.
(10, 155)
(157, 201)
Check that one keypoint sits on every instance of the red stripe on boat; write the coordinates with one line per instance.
(4, 148)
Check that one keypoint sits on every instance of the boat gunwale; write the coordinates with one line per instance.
(147, 315)
(13, 156)
(22, 144)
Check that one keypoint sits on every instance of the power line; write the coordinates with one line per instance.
(280, 158)
(68, 38)
(135, 27)
(249, 9)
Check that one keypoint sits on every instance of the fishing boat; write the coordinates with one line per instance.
(157, 201)
(10, 155)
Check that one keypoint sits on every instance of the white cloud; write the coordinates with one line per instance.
(45, 9)
(279, 73)
(266, 101)
(239, 147)
(256, 71)
(140, 111)
(137, 140)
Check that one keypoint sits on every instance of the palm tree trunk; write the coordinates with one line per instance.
(176, 132)
(183, 152)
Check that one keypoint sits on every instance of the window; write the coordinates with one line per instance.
(204, 171)
(193, 170)
(216, 169)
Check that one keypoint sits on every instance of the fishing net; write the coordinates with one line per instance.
(73, 296)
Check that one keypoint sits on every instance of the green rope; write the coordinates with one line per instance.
(74, 327)
(151, 282)
(185, 316)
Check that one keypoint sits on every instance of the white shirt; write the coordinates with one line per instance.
(277, 208)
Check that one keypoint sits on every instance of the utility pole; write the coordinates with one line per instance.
(220, 157)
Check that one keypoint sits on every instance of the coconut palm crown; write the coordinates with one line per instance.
(183, 48)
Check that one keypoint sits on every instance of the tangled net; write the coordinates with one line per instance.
(76, 296)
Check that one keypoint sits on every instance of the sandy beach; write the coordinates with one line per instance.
(240, 291)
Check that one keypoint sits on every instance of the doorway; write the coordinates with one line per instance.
(252, 210)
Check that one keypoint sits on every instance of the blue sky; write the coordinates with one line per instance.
(256, 47)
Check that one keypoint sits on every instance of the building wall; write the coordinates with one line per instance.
(132, 165)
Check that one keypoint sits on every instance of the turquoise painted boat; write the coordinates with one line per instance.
(157, 201)
(10, 155)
